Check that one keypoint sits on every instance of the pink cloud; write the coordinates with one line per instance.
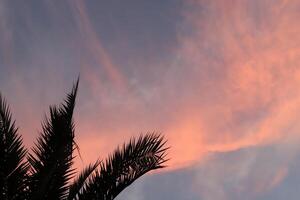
(231, 84)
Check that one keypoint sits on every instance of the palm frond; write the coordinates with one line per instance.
(52, 156)
(80, 181)
(49, 170)
(124, 166)
(13, 169)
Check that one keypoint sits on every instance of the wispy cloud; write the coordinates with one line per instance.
(227, 82)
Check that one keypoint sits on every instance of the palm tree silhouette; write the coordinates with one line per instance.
(47, 173)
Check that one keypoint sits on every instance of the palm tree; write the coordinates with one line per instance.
(47, 174)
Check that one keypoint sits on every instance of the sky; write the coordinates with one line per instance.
(219, 79)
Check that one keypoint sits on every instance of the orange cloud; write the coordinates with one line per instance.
(232, 83)
(254, 97)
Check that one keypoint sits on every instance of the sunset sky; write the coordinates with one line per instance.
(219, 78)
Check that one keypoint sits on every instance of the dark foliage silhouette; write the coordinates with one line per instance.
(47, 173)
(13, 168)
